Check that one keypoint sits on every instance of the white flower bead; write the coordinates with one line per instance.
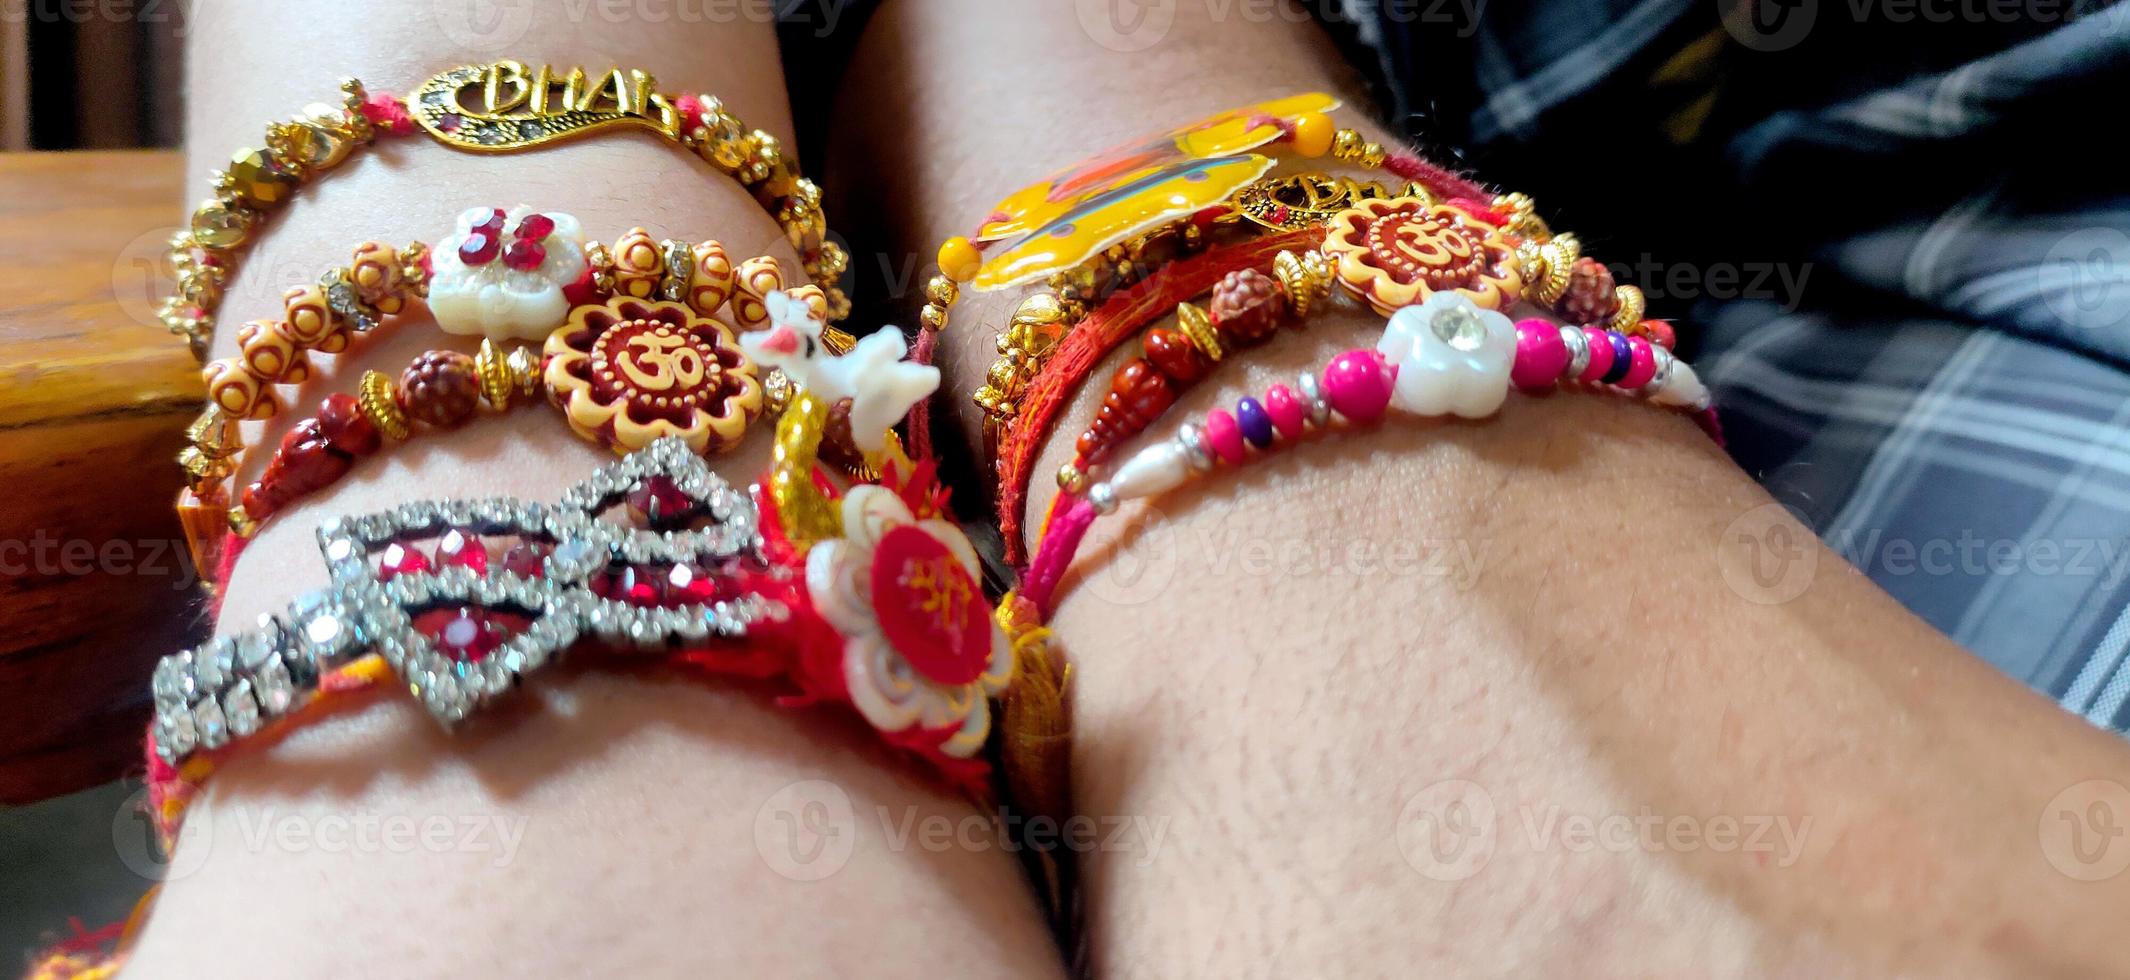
(1452, 356)
(501, 296)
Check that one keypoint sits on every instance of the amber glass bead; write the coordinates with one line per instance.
(1175, 355)
(345, 428)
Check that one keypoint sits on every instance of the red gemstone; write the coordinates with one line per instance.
(686, 585)
(584, 290)
(930, 608)
(525, 254)
(526, 559)
(450, 122)
(535, 226)
(492, 226)
(479, 248)
(344, 426)
(469, 635)
(462, 550)
(400, 559)
(658, 502)
(637, 588)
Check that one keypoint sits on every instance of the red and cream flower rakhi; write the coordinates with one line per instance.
(866, 596)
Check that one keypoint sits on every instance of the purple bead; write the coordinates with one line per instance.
(1622, 357)
(1256, 423)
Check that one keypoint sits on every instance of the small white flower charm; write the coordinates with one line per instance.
(880, 384)
(507, 275)
(1452, 357)
(921, 650)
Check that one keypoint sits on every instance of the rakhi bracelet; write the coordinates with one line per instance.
(512, 108)
(868, 597)
(1101, 225)
(509, 275)
(1445, 356)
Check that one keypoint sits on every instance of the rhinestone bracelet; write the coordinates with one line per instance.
(868, 598)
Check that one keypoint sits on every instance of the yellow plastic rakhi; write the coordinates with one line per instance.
(1219, 135)
(1082, 233)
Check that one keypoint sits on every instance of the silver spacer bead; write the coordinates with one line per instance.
(1578, 352)
(1191, 437)
(1103, 497)
(1657, 381)
(1312, 393)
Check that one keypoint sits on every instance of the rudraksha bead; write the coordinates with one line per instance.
(1246, 306)
(1590, 297)
(440, 387)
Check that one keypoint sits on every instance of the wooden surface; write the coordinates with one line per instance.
(94, 582)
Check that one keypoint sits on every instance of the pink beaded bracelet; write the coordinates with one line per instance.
(1446, 356)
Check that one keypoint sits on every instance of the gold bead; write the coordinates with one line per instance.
(838, 340)
(202, 469)
(215, 434)
(241, 522)
(942, 291)
(1305, 278)
(1038, 323)
(525, 369)
(934, 317)
(218, 225)
(1632, 305)
(493, 375)
(1345, 144)
(1198, 328)
(1558, 255)
(375, 394)
(257, 180)
(1070, 479)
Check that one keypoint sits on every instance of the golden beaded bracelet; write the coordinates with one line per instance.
(498, 107)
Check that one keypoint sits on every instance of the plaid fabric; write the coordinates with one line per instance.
(1946, 403)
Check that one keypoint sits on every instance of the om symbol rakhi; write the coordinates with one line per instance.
(1397, 252)
(630, 371)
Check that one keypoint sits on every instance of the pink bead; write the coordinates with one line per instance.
(1540, 355)
(1642, 364)
(1225, 436)
(1286, 410)
(1358, 385)
(1600, 355)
